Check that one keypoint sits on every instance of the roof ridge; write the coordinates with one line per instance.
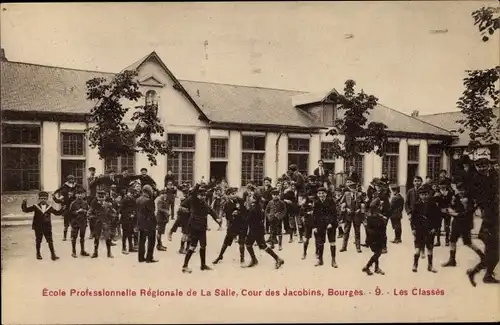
(442, 113)
(56, 67)
(246, 86)
(414, 118)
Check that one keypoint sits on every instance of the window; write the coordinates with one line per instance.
(328, 157)
(413, 152)
(358, 163)
(151, 98)
(298, 154)
(118, 163)
(390, 161)
(181, 163)
(328, 115)
(434, 161)
(252, 159)
(218, 148)
(20, 157)
(73, 157)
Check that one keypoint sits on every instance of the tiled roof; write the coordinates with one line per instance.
(241, 104)
(449, 122)
(31, 87)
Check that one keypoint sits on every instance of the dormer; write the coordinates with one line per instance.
(320, 106)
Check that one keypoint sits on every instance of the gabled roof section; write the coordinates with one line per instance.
(449, 122)
(312, 98)
(154, 56)
(39, 88)
(251, 105)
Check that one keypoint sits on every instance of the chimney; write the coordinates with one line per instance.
(414, 114)
(2, 56)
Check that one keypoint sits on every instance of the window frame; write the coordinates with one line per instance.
(79, 158)
(385, 161)
(37, 146)
(180, 149)
(327, 160)
(431, 160)
(254, 153)
(296, 150)
(226, 149)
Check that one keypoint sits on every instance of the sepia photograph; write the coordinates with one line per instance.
(250, 162)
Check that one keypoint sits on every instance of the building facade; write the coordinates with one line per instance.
(234, 132)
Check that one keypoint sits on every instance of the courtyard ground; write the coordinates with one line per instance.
(24, 279)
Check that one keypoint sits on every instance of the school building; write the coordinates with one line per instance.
(239, 133)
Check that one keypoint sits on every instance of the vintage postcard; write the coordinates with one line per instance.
(250, 162)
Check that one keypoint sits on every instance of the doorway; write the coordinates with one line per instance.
(218, 170)
(412, 172)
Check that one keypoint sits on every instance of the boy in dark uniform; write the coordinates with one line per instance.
(443, 197)
(170, 196)
(102, 212)
(235, 212)
(127, 217)
(256, 234)
(92, 183)
(352, 202)
(424, 222)
(291, 198)
(306, 211)
(275, 212)
(265, 192)
(396, 213)
(162, 215)
(376, 224)
(78, 211)
(462, 211)
(486, 194)
(67, 193)
(181, 221)
(338, 194)
(412, 199)
(197, 226)
(42, 223)
(325, 225)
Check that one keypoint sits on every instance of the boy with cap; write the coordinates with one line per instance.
(425, 220)
(325, 224)
(102, 212)
(162, 215)
(412, 199)
(275, 212)
(67, 195)
(462, 210)
(376, 224)
(146, 223)
(235, 212)
(382, 192)
(197, 226)
(443, 197)
(291, 198)
(255, 223)
(352, 201)
(127, 218)
(396, 212)
(42, 223)
(78, 210)
(265, 193)
(486, 196)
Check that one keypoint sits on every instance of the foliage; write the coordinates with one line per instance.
(109, 131)
(479, 102)
(353, 109)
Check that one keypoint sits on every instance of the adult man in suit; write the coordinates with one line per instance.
(146, 222)
(322, 173)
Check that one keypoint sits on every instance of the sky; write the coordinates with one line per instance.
(389, 48)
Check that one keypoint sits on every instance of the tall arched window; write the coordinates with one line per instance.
(151, 98)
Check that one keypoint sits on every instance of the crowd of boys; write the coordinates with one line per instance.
(131, 206)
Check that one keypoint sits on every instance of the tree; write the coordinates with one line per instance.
(479, 102)
(359, 138)
(110, 133)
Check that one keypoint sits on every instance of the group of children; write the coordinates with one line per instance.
(301, 207)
